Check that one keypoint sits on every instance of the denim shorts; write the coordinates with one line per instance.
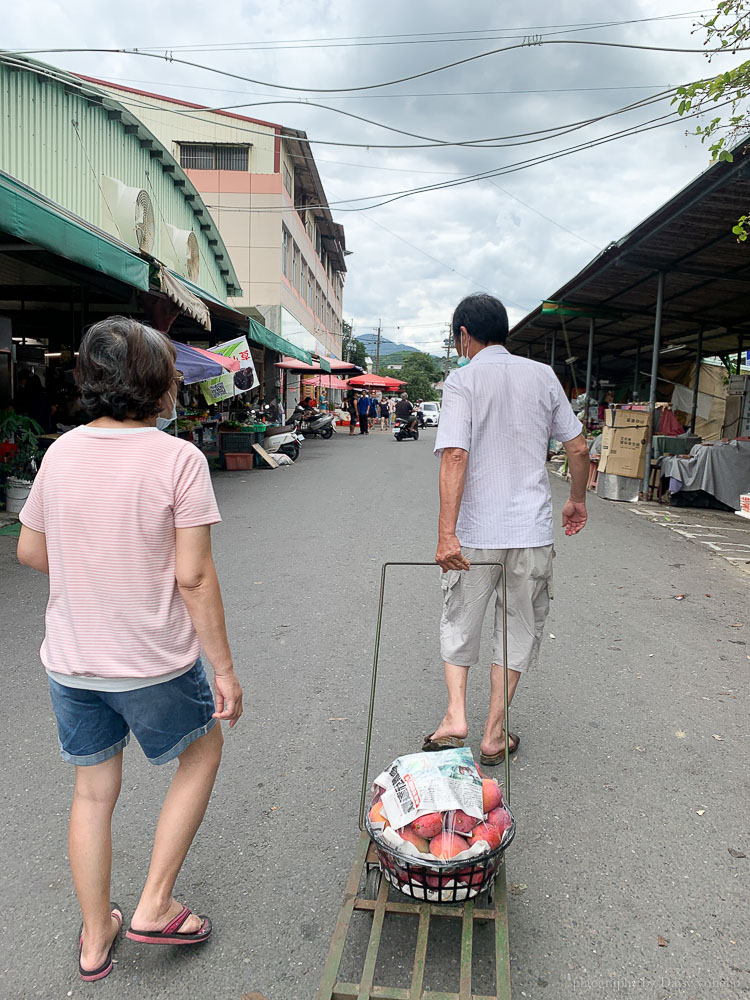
(93, 726)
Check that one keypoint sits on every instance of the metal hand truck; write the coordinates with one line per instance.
(491, 909)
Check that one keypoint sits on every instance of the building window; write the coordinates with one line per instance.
(199, 157)
(295, 266)
(309, 289)
(287, 178)
(317, 300)
(310, 227)
(303, 281)
(285, 245)
(318, 245)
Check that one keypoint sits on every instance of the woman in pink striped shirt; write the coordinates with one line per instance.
(119, 517)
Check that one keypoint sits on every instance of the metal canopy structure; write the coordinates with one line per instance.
(675, 288)
(705, 286)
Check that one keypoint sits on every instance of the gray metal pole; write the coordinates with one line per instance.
(654, 378)
(552, 350)
(589, 363)
(637, 371)
(696, 380)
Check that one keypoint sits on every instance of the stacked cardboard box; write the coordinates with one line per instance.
(624, 442)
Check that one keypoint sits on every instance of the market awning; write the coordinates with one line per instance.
(262, 335)
(29, 216)
(189, 303)
(197, 364)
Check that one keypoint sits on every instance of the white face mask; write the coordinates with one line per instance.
(163, 422)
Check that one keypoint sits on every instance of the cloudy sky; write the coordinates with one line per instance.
(520, 235)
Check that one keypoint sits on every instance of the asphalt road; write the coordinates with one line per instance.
(626, 801)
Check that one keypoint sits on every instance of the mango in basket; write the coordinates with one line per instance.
(411, 837)
(429, 825)
(448, 845)
(489, 834)
(377, 816)
(460, 822)
(492, 795)
(500, 818)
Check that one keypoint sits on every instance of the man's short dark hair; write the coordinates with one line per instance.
(124, 369)
(484, 317)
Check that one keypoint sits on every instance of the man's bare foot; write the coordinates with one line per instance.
(452, 726)
(492, 746)
(145, 920)
(94, 953)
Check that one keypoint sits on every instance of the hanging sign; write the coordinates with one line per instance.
(215, 390)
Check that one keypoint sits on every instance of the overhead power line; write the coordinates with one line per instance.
(527, 43)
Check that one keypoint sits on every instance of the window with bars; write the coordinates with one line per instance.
(194, 156)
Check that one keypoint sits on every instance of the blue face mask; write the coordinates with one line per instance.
(464, 359)
(163, 422)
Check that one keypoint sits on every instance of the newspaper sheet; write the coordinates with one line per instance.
(421, 783)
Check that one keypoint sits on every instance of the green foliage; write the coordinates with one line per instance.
(726, 30)
(352, 350)
(20, 453)
(421, 372)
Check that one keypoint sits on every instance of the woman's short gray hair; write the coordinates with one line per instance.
(124, 369)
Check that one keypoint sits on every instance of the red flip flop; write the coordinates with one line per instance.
(106, 967)
(170, 934)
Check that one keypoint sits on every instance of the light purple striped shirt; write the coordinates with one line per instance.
(503, 410)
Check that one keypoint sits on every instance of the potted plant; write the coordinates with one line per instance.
(20, 455)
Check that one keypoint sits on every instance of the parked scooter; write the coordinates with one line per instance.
(313, 423)
(282, 440)
(407, 428)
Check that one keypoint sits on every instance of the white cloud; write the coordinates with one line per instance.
(478, 230)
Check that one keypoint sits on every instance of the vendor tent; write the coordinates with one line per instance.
(197, 364)
(326, 382)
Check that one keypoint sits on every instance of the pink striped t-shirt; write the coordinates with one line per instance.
(108, 501)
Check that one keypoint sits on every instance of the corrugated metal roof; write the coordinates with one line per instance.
(63, 135)
(707, 279)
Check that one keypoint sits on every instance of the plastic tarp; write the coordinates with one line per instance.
(177, 291)
(721, 469)
(29, 216)
(197, 364)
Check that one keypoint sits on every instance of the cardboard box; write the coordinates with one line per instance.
(627, 418)
(624, 451)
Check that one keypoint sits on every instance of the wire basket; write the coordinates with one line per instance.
(440, 881)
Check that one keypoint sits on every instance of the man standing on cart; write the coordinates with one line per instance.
(496, 420)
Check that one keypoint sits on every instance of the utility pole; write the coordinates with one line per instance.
(377, 352)
(447, 355)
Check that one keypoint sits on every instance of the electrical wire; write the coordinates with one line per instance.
(489, 143)
(416, 38)
(527, 43)
(542, 215)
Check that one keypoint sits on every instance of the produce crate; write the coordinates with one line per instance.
(237, 442)
(238, 461)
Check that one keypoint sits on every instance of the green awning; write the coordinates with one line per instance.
(28, 215)
(262, 335)
(325, 366)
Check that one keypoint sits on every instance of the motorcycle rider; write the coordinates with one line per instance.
(405, 410)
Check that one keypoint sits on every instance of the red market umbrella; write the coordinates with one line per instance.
(326, 382)
(375, 382)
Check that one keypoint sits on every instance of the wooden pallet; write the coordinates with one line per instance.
(469, 913)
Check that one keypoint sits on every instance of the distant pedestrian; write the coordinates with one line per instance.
(119, 518)
(391, 411)
(374, 411)
(384, 413)
(351, 409)
(364, 413)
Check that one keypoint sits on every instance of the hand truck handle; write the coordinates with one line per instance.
(376, 656)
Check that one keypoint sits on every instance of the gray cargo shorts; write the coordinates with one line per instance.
(466, 594)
